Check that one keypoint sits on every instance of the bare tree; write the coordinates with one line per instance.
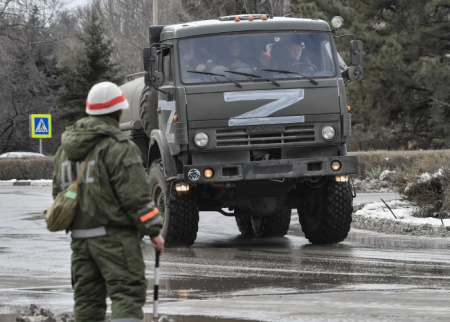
(27, 67)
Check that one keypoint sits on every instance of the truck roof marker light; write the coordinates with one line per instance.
(237, 19)
(250, 18)
(175, 117)
(349, 108)
(264, 17)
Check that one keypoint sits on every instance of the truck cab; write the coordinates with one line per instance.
(247, 116)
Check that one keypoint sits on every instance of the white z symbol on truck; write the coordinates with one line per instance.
(283, 98)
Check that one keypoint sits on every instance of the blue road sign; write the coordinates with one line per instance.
(41, 126)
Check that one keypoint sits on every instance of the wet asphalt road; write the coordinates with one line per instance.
(369, 277)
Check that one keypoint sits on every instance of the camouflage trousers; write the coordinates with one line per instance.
(111, 266)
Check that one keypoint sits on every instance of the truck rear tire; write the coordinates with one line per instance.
(274, 225)
(244, 223)
(181, 219)
(325, 213)
(148, 109)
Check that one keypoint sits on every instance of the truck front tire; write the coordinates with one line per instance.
(325, 212)
(274, 225)
(181, 218)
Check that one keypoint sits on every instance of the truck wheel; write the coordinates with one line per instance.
(148, 106)
(325, 213)
(181, 219)
(244, 223)
(274, 225)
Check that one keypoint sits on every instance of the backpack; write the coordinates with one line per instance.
(62, 212)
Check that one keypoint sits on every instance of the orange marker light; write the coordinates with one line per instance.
(264, 17)
(208, 173)
(349, 108)
(237, 19)
(175, 117)
(250, 18)
(336, 165)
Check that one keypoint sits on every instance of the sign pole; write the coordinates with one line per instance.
(40, 146)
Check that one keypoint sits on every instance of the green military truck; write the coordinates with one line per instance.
(247, 116)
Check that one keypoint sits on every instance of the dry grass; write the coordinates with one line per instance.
(394, 160)
(26, 169)
(432, 195)
(369, 162)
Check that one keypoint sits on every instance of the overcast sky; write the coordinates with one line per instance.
(75, 3)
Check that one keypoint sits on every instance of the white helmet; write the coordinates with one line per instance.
(105, 98)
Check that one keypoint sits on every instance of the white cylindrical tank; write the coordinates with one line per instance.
(132, 91)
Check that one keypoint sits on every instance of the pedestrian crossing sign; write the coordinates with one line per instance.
(41, 126)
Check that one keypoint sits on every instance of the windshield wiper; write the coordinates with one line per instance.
(214, 75)
(288, 72)
(253, 75)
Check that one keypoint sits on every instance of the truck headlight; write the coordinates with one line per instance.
(328, 132)
(201, 139)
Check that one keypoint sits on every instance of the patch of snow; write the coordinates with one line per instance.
(424, 177)
(403, 210)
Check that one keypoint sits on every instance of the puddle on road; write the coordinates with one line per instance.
(192, 318)
(205, 288)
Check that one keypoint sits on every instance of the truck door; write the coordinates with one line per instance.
(166, 97)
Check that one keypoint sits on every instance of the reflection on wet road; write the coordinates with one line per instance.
(370, 277)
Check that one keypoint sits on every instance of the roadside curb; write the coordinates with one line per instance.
(33, 183)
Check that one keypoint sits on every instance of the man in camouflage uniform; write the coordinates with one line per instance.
(114, 205)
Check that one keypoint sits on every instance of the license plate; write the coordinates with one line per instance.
(265, 129)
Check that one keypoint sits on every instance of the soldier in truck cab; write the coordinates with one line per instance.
(189, 60)
(294, 59)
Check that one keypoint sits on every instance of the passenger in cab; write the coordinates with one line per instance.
(189, 59)
(233, 59)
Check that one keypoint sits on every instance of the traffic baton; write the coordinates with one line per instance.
(156, 287)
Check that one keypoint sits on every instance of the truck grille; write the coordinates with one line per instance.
(240, 138)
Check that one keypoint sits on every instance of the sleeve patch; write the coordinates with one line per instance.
(150, 215)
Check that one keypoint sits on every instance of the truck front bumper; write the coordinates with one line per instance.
(271, 169)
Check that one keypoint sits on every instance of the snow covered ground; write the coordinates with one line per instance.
(377, 217)
(15, 182)
(403, 210)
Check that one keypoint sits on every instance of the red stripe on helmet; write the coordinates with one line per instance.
(100, 106)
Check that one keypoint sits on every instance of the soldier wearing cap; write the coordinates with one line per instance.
(114, 205)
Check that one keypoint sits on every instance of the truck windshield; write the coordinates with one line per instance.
(302, 53)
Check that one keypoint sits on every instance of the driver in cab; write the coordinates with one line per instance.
(295, 60)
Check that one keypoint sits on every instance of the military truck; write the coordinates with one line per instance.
(247, 116)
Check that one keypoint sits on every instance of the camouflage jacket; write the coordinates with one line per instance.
(114, 191)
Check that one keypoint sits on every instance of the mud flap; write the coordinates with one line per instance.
(169, 165)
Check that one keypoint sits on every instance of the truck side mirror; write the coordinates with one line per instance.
(355, 74)
(356, 52)
(146, 56)
(157, 77)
